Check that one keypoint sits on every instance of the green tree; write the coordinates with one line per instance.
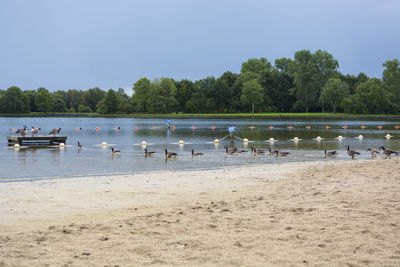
(252, 93)
(163, 95)
(255, 65)
(391, 77)
(74, 98)
(184, 89)
(93, 97)
(44, 100)
(141, 95)
(371, 97)
(333, 93)
(59, 104)
(110, 103)
(14, 101)
(31, 94)
(84, 109)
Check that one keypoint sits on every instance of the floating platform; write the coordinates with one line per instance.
(39, 140)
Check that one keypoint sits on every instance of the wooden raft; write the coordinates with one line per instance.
(39, 140)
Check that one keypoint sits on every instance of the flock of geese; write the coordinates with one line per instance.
(34, 131)
(387, 153)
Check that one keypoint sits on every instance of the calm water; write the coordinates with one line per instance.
(93, 159)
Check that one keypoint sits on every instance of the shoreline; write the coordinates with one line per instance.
(319, 213)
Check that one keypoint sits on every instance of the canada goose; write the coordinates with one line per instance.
(257, 151)
(148, 153)
(170, 154)
(330, 154)
(55, 131)
(114, 152)
(79, 145)
(22, 131)
(230, 151)
(273, 152)
(196, 154)
(373, 152)
(34, 130)
(282, 154)
(352, 153)
(388, 152)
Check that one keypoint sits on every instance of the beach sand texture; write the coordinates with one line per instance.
(344, 213)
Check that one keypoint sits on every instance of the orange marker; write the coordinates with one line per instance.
(380, 127)
(193, 128)
(97, 128)
(327, 127)
(363, 127)
(308, 127)
(13, 129)
(290, 127)
(252, 127)
(154, 128)
(213, 128)
(345, 127)
(271, 127)
(173, 127)
(77, 129)
(397, 127)
(136, 128)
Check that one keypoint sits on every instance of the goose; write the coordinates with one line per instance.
(273, 152)
(352, 153)
(114, 152)
(330, 154)
(388, 152)
(170, 154)
(229, 151)
(373, 152)
(79, 145)
(34, 130)
(239, 150)
(55, 131)
(22, 131)
(148, 153)
(282, 154)
(196, 154)
(257, 151)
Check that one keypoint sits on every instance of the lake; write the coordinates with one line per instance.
(94, 159)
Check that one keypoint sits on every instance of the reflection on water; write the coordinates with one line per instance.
(96, 159)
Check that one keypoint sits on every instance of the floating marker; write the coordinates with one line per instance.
(251, 127)
(319, 138)
(17, 146)
(193, 128)
(97, 128)
(388, 136)
(271, 127)
(173, 127)
(345, 127)
(104, 144)
(339, 138)
(216, 141)
(181, 142)
(380, 127)
(62, 145)
(272, 140)
(360, 137)
(295, 139)
(327, 127)
(362, 127)
(308, 127)
(136, 128)
(77, 129)
(213, 128)
(13, 129)
(154, 128)
(245, 140)
(290, 127)
(397, 127)
(143, 143)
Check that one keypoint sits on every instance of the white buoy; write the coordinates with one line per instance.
(319, 138)
(339, 137)
(104, 144)
(16, 146)
(62, 145)
(388, 136)
(181, 142)
(216, 141)
(272, 140)
(360, 137)
(143, 143)
(246, 140)
(295, 139)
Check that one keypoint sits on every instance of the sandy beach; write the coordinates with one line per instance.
(328, 213)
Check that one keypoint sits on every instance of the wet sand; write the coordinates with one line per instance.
(317, 213)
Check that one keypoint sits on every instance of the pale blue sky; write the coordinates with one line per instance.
(85, 43)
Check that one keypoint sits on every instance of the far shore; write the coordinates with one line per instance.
(310, 115)
(326, 213)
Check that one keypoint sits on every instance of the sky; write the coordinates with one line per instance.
(76, 44)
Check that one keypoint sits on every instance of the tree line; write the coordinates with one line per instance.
(310, 82)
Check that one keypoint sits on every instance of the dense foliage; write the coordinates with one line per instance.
(308, 82)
